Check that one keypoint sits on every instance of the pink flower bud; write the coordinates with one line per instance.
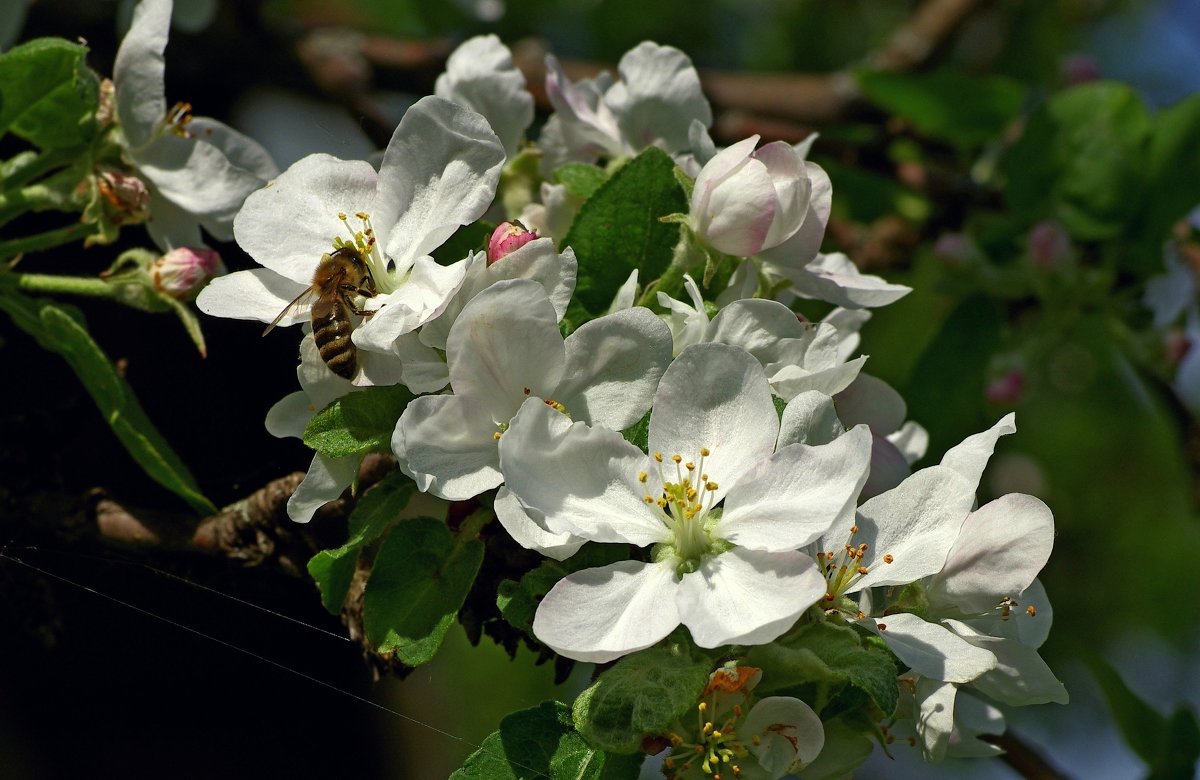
(1049, 245)
(1080, 69)
(1006, 389)
(507, 238)
(953, 249)
(181, 272)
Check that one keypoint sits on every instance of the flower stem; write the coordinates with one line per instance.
(90, 286)
(51, 238)
(24, 168)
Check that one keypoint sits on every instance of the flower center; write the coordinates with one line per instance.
(501, 427)
(686, 503)
(715, 749)
(844, 568)
(363, 241)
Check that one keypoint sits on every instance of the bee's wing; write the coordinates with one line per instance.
(299, 299)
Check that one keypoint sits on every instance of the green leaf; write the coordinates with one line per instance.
(1174, 171)
(420, 579)
(823, 652)
(540, 743)
(373, 514)
(518, 602)
(641, 696)
(618, 229)
(638, 434)
(581, 180)
(60, 329)
(358, 423)
(1181, 748)
(47, 94)
(1082, 160)
(964, 109)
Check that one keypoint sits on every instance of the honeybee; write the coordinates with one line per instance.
(341, 276)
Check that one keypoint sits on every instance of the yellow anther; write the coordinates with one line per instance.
(757, 740)
(888, 558)
(496, 436)
(704, 452)
(702, 706)
(677, 458)
(711, 485)
(362, 215)
(716, 734)
(863, 569)
(1031, 611)
(658, 457)
(853, 529)
(643, 476)
(690, 466)
(342, 216)
(648, 499)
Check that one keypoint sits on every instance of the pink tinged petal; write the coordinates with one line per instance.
(138, 71)
(715, 396)
(1020, 678)
(290, 415)
(872, 401)
(724, 163)
(598, 615)
(613, 367)
(287, 225)
(915, 523)
(447, 444)
(971, 456)
(792, 190)
(791, 499)
(481, 76)
(421, 298)
(581, 480)
(506, 347)
(809, 418)
(805, 244)
(791, 735)
(931, 650)
(326, 480)
(734, 212)
(527, 533)
(658, 97)
(254, 295)
(439, 172)
(1002, 547)
(834, 278)
(747, 597)
(935, 716)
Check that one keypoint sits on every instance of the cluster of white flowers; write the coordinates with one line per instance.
(776, 485)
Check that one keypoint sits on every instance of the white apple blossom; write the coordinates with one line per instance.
(480, 75)
(505, 348)
(653, 103)
(731, 573)
(746, 200)
(439, 172)
(897, 443)
(199, 170)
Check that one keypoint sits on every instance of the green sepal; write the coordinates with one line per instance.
(641, 696)
(638, 434)
(358, 423)
(377, 509)
(60, 329)
(618, 229)
(48, 96)
(541, 743)
(419, 581)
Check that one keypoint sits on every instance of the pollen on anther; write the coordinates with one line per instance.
(648, 499)
(881, 626)
(677, 458)
(496, 436)
(854, 529)
(1031, 611)
(690, 466)
(704, 452)
(888, 558)
(342, 216)
(362, 215)
(658, 457)
(863, 570)
(643, 476)
(711, 485)
(526, 391)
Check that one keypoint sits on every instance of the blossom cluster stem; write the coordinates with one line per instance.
(22, 169)
(58, 284)
(46, 240)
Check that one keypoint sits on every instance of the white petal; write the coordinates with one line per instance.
(930, 649)
(422, 297)
(747, 597)
(138, 71)
(626, 294)
(972, 718)
(316, 380)
(506, 347)
(481, 76)
(439, 172)
(171, 226)
(325, 481)
(447, 445)
(971, 456)
(601, 614)
(809, 418)
(715, 396)
(790, 381)
(916, 523)
(790, 734)
(259, 294)
(1020, 678)
(613, 367)
(378, 369)
(287, 225)
(657, 97)
(835, 279)
(241, 150)
(912, 440)
(758, 326)
(888, 467)
(1168, 295)
(792, 189)
(935, 715)
(290, 415)
(594, 492)
(1000, 550)
(527, 533)
(791, 499)
(871, 401)
(425, 369)
(805, 244)
(738, 210)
